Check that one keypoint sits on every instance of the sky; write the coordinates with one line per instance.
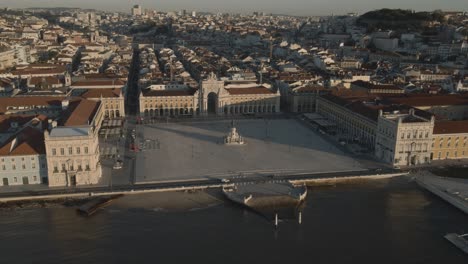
(290, 7)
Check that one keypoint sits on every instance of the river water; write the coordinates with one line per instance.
(387, 221)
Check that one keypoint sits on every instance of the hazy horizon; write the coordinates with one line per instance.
(291, 7)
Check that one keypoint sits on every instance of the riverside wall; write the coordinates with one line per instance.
(181, 186)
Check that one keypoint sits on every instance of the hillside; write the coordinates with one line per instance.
(396, 19)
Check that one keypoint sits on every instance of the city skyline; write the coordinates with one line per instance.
(295, 7)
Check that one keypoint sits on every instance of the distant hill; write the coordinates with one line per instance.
(396, 19)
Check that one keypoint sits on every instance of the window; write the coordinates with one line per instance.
(3, 167)
(427, 134)
(70, 150)
(43, 165)
(33, 165)
(13, 167)
(63, 167)
(402, 135)
(86, 150)
(62, 151)
(78, 150)
(15, 179)
(54, 152)
(32, 158)
(34, 178)
(22, 159)
(23, 166)
(55, 168)
(79, 167)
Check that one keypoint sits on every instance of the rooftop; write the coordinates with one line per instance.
(80, 112)
(430, 100)
(69, 131)
(451, 127)
(29, 141)
(149, 92)
(101, 92)
(254, 90)
(99, 82)
(48, 101)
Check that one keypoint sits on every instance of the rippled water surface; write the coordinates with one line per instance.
(378, 222)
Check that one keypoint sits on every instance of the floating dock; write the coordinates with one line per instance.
(92, 206)
(459, 241)
(266, 194)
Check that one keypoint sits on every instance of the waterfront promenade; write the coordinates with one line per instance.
(56, 193)
(454, 191)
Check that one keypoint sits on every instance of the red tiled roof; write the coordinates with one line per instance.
(99, 82)
(30, 141)
(101, 92)
(310, 88)
(150, 92)
(29, 101)
(34, 69)
(370, 110)
(80, 112)
(256, 90)
(431, 100)
(451, 127)
(371, 86)
(48, 80)
(104, 76)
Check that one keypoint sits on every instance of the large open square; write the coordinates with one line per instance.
(194, 150)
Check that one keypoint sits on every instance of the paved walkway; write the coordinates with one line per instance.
(44, 191)
(454, 191)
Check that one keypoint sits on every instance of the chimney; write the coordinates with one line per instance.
(411, 111)
(65, 104)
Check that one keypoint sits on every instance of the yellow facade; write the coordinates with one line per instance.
(449, 146)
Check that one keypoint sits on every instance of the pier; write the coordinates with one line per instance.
(266, 194)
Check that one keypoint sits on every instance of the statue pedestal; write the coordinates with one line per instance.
(233, 138)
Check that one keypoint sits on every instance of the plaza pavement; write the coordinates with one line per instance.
(194, 150)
